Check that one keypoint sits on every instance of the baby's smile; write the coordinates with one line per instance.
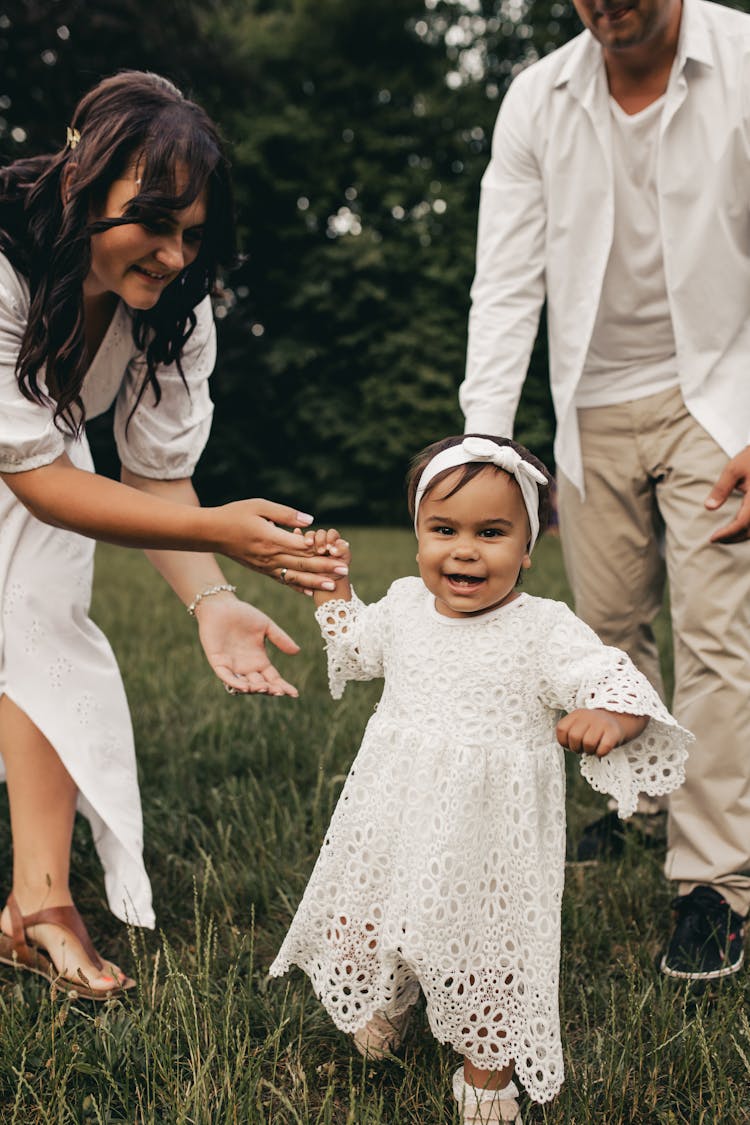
(465, 579)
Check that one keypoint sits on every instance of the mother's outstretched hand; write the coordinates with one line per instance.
(248, 532)
(234, 634)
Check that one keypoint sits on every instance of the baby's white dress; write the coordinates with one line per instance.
(55, 664)
(442, 869)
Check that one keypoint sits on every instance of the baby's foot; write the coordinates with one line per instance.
(487, 1106)
(382, 1035)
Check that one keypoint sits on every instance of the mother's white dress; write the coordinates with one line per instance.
(55, 664)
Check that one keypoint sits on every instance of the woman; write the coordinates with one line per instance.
(109, 251)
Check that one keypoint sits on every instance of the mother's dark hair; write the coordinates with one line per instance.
(46, 209)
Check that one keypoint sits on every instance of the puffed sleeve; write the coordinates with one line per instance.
(581, 672)
(28, 436)
(164, 442)
(356, 637)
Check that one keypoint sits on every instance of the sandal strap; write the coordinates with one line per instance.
(66, 917)
(17, 928)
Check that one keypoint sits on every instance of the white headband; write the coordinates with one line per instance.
(473, 449)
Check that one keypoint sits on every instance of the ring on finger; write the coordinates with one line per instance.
(282, 575)
(231, 690)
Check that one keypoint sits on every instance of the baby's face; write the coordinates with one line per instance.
(473, 544)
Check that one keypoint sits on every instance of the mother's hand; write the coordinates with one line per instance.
(248, 533)
(233, 634)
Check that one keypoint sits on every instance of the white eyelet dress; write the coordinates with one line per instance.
(55, 664)
(443, 865)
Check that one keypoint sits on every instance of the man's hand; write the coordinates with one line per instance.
(735, 476)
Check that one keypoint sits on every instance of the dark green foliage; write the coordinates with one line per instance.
(358, 283)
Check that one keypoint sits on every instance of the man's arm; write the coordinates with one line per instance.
(508, 290)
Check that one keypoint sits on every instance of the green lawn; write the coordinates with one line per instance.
(237, 794)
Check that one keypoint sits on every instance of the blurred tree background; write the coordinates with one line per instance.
(358, 131)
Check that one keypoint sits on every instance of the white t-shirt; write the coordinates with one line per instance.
(632, 349)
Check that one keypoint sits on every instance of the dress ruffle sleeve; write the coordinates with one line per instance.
(28, 436)
(581, 672)
(355, 639)
(164, 442)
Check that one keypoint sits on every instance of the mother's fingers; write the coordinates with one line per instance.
(239, 683)
(277, 685)
(289, 542)
(282, 640)
(298, 543)
(315, 573)
(289, 549)
(249, 531)
(311, 564)
(256, 531)
(280, 513)
(304, 581)
(267, 682)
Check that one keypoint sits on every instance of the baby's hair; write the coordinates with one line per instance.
(471, 470)
(48, 209)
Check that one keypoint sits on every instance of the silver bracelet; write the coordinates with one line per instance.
(224, 588)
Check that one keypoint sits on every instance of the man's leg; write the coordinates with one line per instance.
(613, 557)
(611, 539)
(709, 832)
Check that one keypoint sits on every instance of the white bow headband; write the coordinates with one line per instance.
(471, 449)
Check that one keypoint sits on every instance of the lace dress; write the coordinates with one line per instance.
(442, 869)
(55, 664)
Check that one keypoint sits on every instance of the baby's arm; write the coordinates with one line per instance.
(329, 542)
(607, 701)
(595, 731)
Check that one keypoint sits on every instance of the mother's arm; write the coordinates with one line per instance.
(65, 496)
(165, 518)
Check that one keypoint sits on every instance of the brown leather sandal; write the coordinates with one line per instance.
(22, 953)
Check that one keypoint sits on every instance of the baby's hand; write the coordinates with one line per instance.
(596, 731)
(329, 542)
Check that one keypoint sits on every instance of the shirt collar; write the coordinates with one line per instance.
(695, 39)
(583, 61)
(585, 56)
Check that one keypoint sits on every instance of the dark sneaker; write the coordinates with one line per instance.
(707, 940)
(605, 838)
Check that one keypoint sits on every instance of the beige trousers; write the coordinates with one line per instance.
(648, 468)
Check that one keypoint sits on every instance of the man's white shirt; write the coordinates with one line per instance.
(547, 224)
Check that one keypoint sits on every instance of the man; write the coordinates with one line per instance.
(619, 188)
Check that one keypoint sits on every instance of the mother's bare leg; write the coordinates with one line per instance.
(42, 797)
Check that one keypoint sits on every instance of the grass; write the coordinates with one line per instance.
(237, 794)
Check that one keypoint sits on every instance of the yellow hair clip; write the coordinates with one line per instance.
(72, 137)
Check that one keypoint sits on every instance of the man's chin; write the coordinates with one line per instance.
(618, 34)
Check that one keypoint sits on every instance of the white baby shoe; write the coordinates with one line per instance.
(484, 1107)
(382, 1035)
